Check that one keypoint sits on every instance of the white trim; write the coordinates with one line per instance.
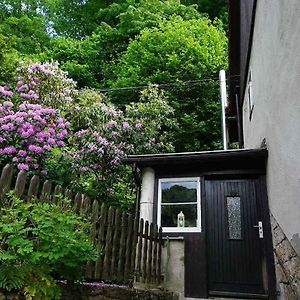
(179, 203)
(180, 229)
(250, 93)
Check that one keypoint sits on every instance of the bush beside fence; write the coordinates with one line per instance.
(129, 249)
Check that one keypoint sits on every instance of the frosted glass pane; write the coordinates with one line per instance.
(234, 218)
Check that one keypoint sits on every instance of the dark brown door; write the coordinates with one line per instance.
(234, 245)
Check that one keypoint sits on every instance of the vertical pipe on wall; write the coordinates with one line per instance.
(223, 93)
(239, 124)
(147, 194)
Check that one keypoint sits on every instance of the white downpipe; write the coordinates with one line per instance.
(147, 194)
(223, 93)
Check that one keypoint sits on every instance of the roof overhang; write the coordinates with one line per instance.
(204, 157)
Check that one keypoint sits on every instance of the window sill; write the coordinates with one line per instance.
(173, 238)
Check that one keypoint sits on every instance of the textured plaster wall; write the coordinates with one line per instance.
(275, 64)
(173, 266)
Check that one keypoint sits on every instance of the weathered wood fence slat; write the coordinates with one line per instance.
(128, 248)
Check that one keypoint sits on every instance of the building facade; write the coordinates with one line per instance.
(265, 97)
(213, 210)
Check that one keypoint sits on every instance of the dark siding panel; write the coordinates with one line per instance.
(195, 266)
(234, 265)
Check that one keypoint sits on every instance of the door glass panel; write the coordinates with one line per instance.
(234, 218)
(179, 192)
(179, 215)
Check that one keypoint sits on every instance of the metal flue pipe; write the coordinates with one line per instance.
(223, 93)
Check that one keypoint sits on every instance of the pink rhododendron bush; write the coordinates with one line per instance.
(77, 138)
(30, 128)
(28, 132)
(45, 84)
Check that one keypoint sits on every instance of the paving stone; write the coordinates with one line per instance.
(278, 236)
(295, 284)
(286, 292)
(281, 277)
(285, 251)
(292, 268)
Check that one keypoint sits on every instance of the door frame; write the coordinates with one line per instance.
(266, 242)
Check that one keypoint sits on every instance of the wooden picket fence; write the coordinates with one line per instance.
(129, 249)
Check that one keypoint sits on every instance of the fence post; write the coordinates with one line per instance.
(33, 187)
(101, 241)
(122, 248)
(57, 191)
(77, 202)
(159, 255)
(154, 263)
(46, 191)
(139, 251)
(116, 234)
(5, 180)
(20, 183)
(95, 213)
(128, 248)
(134, 245)
(149, 259)
(108, 238)
(145, 252)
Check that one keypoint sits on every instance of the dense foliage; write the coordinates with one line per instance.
(80, 142)
(83, 84)
(39, 241)
(180, 51)
(94, 41)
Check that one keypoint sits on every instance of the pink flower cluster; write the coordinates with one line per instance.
(5, 92)
(110, 110)
(95, 153)
(45, 83)
(28, 132)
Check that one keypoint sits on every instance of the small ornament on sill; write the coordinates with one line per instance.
(180, 220)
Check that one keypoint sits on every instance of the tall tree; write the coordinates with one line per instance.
(175, 52)
(8, 60)
(26, 34)
(92, 60)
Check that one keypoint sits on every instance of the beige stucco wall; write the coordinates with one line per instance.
(173, 266)
(275, 64)
(172, 257)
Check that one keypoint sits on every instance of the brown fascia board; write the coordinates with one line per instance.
(185, 157)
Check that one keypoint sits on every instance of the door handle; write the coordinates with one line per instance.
(260, 229)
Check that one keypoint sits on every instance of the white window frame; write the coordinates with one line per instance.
(180, 229)
(250, 93)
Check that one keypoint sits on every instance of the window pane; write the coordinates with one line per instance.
(234, 218)
(169, 215)
(178, 192)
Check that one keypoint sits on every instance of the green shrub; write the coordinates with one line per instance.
(40, 242)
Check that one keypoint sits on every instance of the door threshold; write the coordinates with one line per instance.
(238, 295)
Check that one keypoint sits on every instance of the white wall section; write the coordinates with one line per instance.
(275, 64)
